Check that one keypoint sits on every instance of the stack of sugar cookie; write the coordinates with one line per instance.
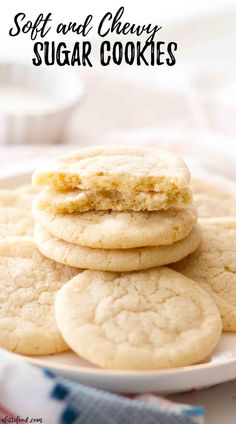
(115, 209)
(112, 209)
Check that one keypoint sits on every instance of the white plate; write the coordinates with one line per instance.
(218, 368)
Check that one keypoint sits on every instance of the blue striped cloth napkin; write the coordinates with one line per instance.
(32, 395)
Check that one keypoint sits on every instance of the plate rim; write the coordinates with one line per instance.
(107, 371)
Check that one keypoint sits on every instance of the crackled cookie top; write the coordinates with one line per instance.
(115, 168)
(142, 320)
(213, 265)
(113, 259)
(28, 283)
(119, 230)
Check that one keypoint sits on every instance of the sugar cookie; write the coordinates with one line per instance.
(15, 213)
(203, 186)
(125, 169)
(209, 206)
(118, 230)
(113, 260)
(15, 222)
(28, 283)
(83, 201)
(15, 198)
(142, 320)
(213, 265)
